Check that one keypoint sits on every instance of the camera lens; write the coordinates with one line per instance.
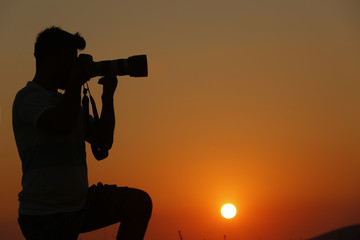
(135, 66)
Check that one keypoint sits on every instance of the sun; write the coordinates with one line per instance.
(228, 211)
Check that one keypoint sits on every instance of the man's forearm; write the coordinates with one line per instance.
(107, 121)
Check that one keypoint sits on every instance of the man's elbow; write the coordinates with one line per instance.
(108, 143)
(103, 141)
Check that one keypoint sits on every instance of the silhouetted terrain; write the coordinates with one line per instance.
(346, 233)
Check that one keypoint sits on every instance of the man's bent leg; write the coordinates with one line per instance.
(109, 204)
(137, 209)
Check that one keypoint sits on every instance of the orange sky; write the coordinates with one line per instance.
(250, 102)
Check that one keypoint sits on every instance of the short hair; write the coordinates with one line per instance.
(54, 40)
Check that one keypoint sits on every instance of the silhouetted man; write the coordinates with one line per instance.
(50, 131)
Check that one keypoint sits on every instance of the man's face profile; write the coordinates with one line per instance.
(64, 62)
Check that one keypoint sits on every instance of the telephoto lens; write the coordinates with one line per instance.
(135, 66)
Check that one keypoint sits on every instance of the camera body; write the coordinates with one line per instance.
(135, 66)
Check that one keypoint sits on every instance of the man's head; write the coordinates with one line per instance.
(56, 51)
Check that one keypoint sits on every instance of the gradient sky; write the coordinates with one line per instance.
(251, 102)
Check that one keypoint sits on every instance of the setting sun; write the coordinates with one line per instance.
(228, 211)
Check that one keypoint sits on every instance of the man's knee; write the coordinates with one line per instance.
(139, 203)
(146, 204)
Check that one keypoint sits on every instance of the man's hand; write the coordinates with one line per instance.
(109, 86)
(62, 118)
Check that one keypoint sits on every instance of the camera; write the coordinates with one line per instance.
(135, 66)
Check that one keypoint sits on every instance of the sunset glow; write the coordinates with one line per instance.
(254, 103)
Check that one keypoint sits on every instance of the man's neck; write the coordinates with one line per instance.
(45, 81)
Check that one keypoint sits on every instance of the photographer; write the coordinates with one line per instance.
(50, 131)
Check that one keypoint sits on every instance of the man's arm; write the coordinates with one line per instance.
(102, 133)
(62, 118)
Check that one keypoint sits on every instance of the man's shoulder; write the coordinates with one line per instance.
(34, 92)
(32, 100)
(27, 91)
(21, 94)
